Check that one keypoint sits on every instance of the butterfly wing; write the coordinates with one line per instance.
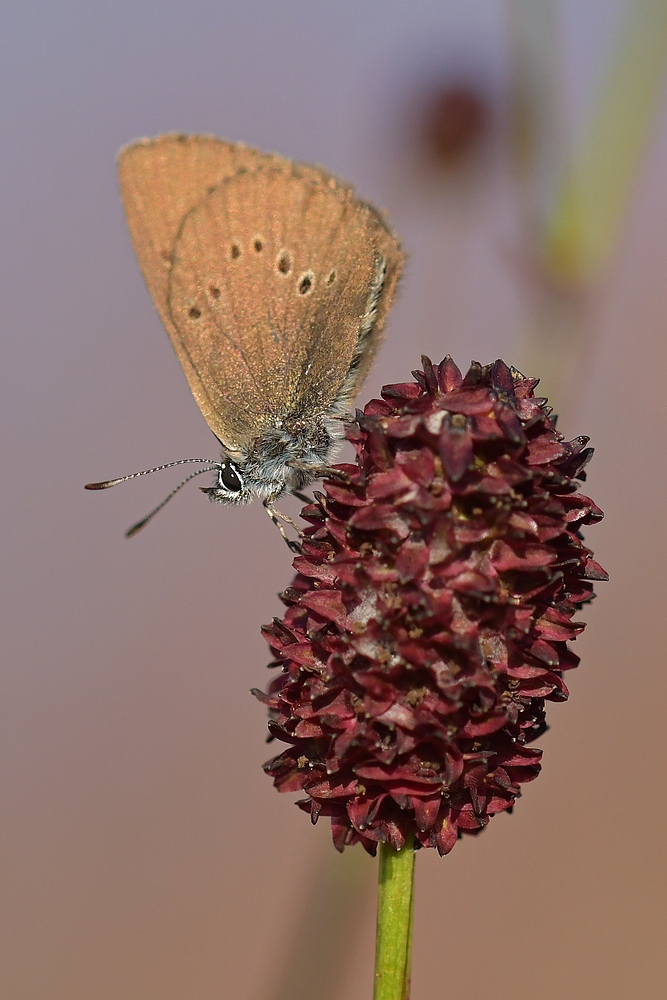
(161, 180)
(280, 283)
(261, 335)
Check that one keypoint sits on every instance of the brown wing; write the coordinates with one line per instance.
(280, 283)
(161, 180)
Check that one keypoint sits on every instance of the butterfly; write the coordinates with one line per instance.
(273, 282)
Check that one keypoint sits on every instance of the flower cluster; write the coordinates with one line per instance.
(429, 619)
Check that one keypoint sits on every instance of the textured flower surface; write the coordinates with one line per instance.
(429, 619)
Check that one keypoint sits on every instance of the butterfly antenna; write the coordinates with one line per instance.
(158, 468)
(139, 525)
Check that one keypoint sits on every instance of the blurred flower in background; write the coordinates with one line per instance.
(453, 123)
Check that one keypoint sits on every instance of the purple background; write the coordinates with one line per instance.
(143, 852)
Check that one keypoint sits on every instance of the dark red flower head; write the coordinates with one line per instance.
(429, 619)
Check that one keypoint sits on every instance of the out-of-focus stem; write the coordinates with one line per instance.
(393, 953)
(576, 192)
(582, 228)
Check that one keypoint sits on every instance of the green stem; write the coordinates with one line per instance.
(393, 951)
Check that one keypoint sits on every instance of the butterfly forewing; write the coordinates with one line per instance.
(161, 180)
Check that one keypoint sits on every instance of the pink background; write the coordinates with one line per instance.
(143, 853)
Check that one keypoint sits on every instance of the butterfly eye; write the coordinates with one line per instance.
(230, 479)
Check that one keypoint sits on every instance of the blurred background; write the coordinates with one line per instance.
(520, 149)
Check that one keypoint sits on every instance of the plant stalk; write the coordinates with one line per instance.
(393, 952)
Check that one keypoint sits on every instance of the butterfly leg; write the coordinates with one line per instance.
(302, 497)
(276, 516)
(321, 471)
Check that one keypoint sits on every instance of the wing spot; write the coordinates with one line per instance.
(305, 283)
(284, 262)
(194, 312)
(235, 251)
(331, 276)
(258, 244)
(214, 291)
